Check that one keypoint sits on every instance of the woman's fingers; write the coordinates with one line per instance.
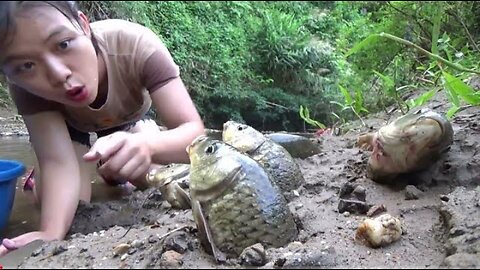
(104, 147)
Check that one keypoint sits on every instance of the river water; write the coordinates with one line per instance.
(25, 214)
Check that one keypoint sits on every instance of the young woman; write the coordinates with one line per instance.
(69, 78)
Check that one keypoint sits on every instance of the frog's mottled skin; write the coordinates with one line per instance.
(272, 156)
(410, 143)
(168, 180)
(234, 202)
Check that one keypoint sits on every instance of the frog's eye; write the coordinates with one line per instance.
(240, 128)
(211, 148)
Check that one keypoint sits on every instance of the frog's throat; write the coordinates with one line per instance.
(208, 194)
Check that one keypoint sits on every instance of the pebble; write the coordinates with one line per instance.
(136, 243)
(171, 259)
(254, 256)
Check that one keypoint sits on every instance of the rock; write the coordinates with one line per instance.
(352, 199)
(121, 249)
(376, 209)
(178, 242)
(171, 259)
(463, 260)
(412, 193)
(352, 206)
(462, 219)
(136, 243)
(253, 255)
(359, 192)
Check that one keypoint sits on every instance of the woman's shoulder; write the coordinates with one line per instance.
(118, 27)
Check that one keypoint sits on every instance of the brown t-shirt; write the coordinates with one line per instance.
(137, 64)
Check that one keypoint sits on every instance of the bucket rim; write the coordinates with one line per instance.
(16, 170)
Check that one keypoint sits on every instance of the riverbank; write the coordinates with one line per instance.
(439, 210)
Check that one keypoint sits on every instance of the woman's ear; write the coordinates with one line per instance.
(84, 23)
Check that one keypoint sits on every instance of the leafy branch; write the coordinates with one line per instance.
(373, 37)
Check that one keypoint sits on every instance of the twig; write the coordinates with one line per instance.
(276, 105)
(359, 117)
(174, 230)
(466, 30)
(425, 32)
(425, 80)
(136, 215)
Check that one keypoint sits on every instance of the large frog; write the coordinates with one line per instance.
(408, 144)
(298, 146)
(272, 156)
(235, 204)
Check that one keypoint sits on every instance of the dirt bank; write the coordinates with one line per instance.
(439, 209)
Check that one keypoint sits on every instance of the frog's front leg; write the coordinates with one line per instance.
(205, 234)
(365, 141)
(167, 180)
(176, 195)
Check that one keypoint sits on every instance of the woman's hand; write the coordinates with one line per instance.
(8, 245)
(124, 155)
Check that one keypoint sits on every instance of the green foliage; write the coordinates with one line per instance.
(305, 115)
(355, 104)
(239, 58)
(445, 55)
(278, 65)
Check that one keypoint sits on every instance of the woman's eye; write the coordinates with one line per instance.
(26, 67)
(64, 44)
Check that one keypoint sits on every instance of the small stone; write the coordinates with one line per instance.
(298, 206)
(253, 256)
(376, 209)
(295, 193)
(171, 259)
(124, 257)
(136, 243)
(346, 214)
(178, 242)
(360, 193)
(152, 239)
(352, 206)
(279, 262)
(412, 193)
(121, 249)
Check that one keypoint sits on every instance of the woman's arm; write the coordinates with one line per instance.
(59, 185)
(178, 113)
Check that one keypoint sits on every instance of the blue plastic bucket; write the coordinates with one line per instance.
(10, 170)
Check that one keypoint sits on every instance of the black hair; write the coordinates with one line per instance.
(8, 9)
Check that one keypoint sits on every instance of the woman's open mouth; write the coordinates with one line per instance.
(77, 94)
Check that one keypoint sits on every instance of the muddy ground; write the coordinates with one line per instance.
(439, 209)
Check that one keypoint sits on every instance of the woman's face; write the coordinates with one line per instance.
(51, 58)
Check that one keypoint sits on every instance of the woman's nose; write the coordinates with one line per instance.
(58, 72)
